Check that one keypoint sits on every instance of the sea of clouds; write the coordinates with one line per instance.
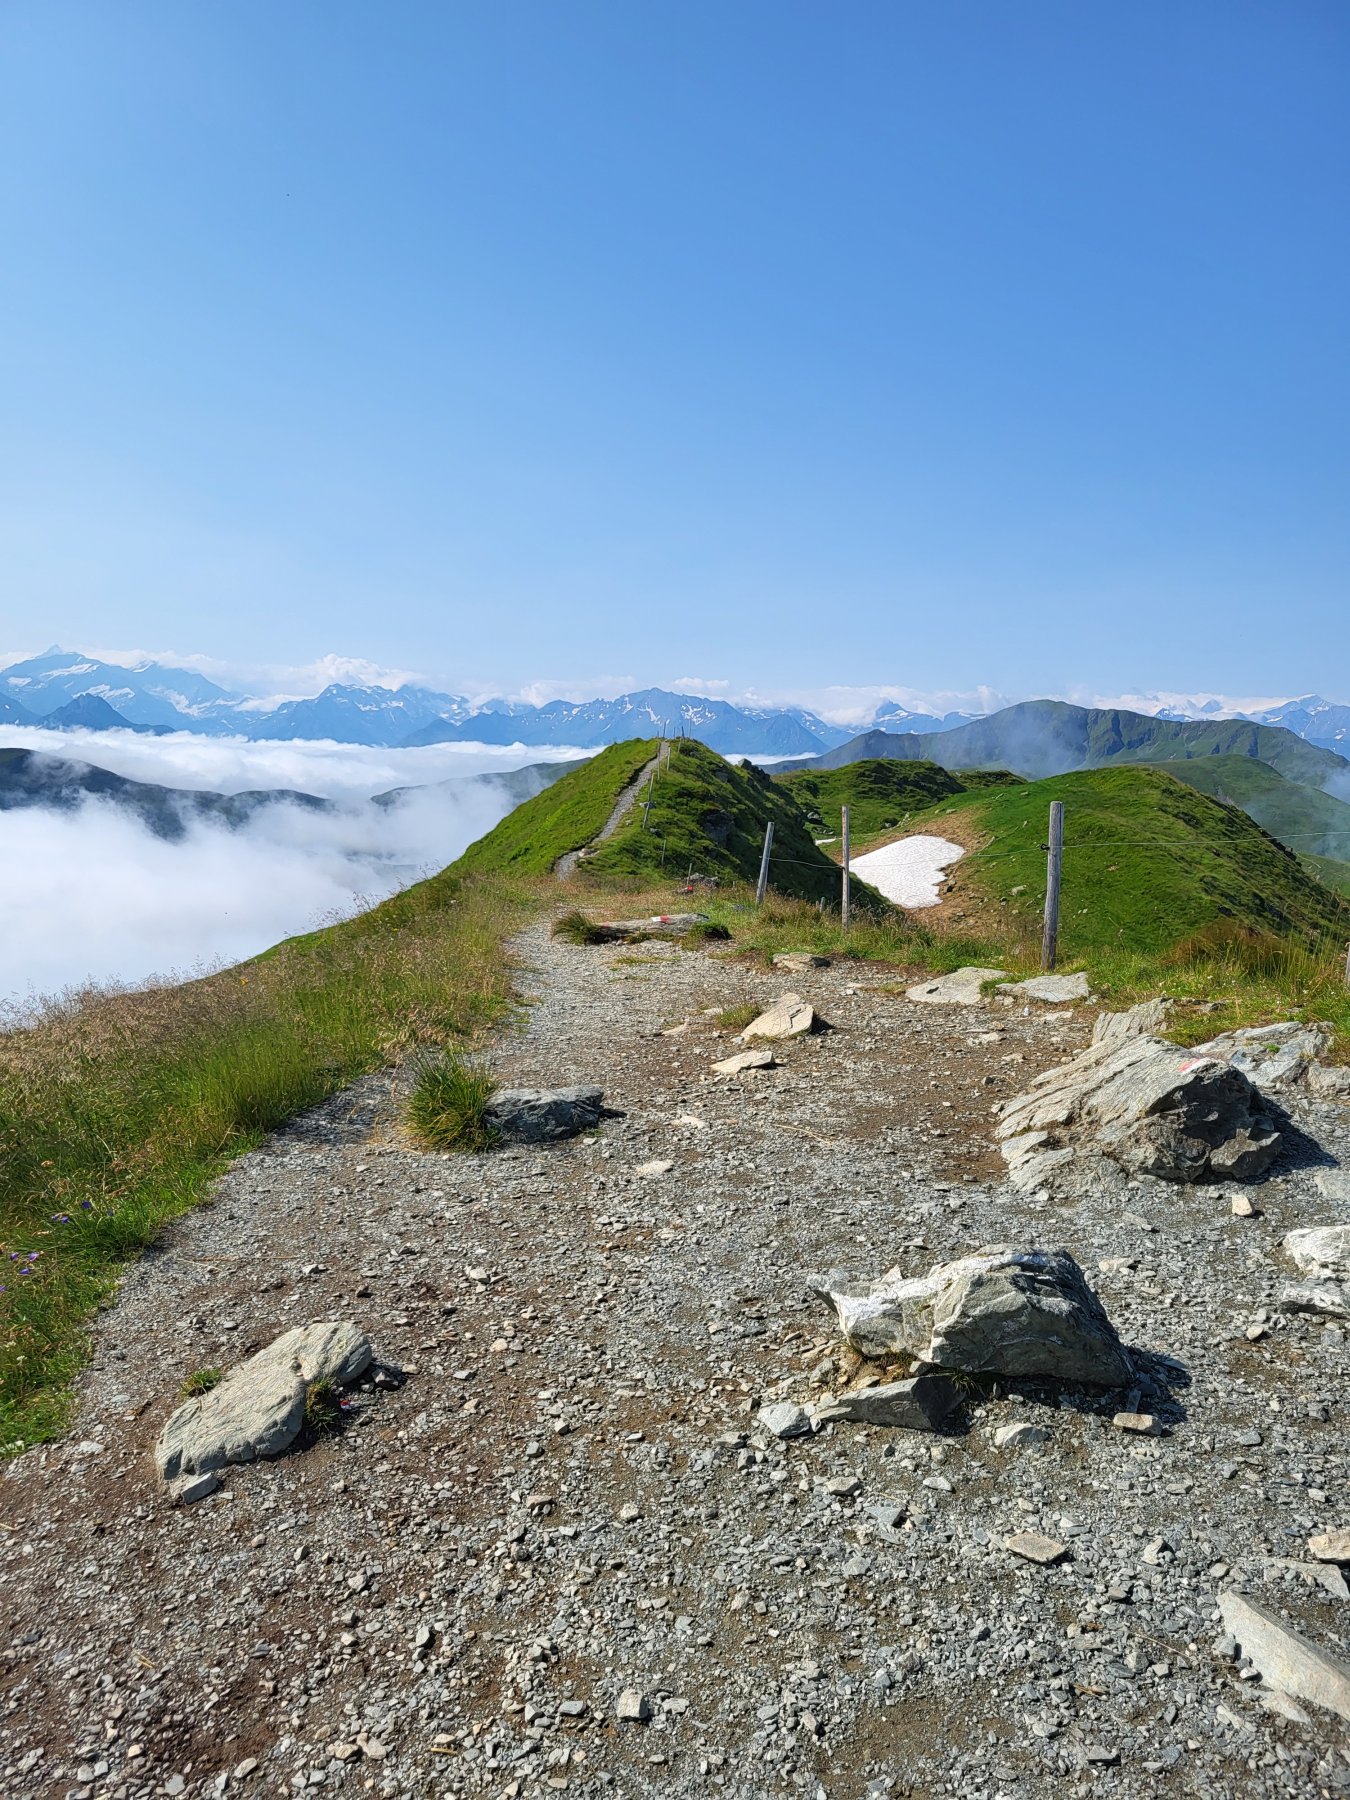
(92, 895)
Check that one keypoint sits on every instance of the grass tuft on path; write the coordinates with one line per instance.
(117, 1109)
(447, 1109)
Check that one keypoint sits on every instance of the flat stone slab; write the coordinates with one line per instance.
(1033, 1546)
(960, 988)
(1331, 1546)
(920, 1403)
(1320, 1250)
(789, 1016)
(1147, 1019)
(259, 1407)
(659, 925)
(544, 1115)
(745, 1059)
(1055, 990)
(1286, 1659)
(797, 962)
(1001, 1311)
(1331, 1299)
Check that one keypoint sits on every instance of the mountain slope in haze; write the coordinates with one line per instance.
(1148, 862)
(1049, 737)
(1304, 819)
(33, 778)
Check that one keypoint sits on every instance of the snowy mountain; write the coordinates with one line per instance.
(652, 712)
(147, 694)
(354, 715)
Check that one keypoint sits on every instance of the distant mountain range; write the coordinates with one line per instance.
(1049, 737)
(64, 690)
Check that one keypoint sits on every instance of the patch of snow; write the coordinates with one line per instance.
(909, 871)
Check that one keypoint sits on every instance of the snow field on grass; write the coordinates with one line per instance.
(909, 871)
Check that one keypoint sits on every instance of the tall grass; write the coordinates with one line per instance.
(118, 1108)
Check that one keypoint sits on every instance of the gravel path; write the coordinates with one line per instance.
(569, 1497)
(625, 803)
(909, 871)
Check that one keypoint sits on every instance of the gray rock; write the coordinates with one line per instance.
(660, 925)
(1055, 990)
(1321, 1250)
(1329, 1081)
(1148, 1019)
(1334, 1184)
(785, 1419)
(1331, 1546)
(1286, 1659)
(1034, 1546)
(798, 962)
(190, 1488)
(633, 1706)
(1330, 1298)
(544, 1115)
(960, 988)
(259, 1408)
(1151, 1107)
(918, 1404)
(1004, 1311)
(1270, 1056)
(1019, 1436)
(745, 1059)
(789, 1016)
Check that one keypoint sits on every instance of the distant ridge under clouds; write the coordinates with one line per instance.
(349, 700)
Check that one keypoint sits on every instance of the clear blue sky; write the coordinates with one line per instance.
(788, 343)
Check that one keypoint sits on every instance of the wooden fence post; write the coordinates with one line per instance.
(762, 889)
(1053, 868)
(843, 902)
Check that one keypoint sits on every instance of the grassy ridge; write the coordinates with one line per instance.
(708, 816)
(566, 816)
(880, 794)
(116, 1110)
(1306, 820)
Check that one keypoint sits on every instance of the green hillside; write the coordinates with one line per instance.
(1148, 862)
(708, 818)
(879, 793)
(566, 816)
(1304, 819)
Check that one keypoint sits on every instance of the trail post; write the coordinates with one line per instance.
(843, 898)
(1053, 867)
(763, 887)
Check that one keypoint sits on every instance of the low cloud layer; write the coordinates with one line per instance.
(92, 894)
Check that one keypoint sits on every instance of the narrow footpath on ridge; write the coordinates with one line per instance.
(565, 1554)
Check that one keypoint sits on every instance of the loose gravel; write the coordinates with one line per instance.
(561, 1551)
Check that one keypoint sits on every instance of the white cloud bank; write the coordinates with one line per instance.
(91, 894)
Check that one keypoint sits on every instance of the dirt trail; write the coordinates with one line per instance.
(570, 1498)
(625, 803)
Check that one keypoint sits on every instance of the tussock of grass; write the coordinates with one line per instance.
(576, 928)
(117, 1109)
(447, 1109)
(736, 1018)
(201, 1381)
(323, 1409)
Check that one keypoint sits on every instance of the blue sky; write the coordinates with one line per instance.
(776, 343)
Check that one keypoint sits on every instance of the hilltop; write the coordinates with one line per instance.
(706, 818)
(1306, 820)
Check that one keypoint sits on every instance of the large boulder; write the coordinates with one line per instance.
(1001, 1311)
(1321, 1250)
(544, 1115)
(259, 1408)
(1150, 1106)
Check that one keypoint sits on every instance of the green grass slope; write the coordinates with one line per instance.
(708, 818)
(568, 815)
(1149, 862)
(879, 793)
(1305, 819)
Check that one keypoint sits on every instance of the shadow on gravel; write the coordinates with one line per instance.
(1161, 1382)
(1298, 1151)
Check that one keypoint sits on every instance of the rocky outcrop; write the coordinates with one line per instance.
(1272, 1057)
(544, 1115)
(1001, 1311)
(1148, 1019)
(259, 1408)
(1150, 1106)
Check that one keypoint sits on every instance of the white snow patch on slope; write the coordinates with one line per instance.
(910, 870)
